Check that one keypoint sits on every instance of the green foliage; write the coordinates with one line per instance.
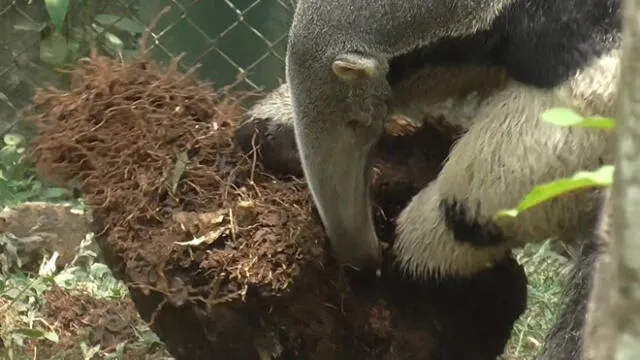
(36, 334)
(602, 177)
(18, 180)
(57, 10)
(64, 41)
(547, 275)
(22, 301)
(581, 180)
(125, 24)
(568, 117)
(54, 48)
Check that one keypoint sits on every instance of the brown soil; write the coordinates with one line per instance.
(81, 317)
(33, 229)
(153, 151)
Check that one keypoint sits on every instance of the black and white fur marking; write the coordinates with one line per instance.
(491, 68)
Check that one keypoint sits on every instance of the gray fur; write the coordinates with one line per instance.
(445, 93)
(339, 117)
(389, 28)
(338, 99)
(435, 94)
(442, 94)
(275, 106)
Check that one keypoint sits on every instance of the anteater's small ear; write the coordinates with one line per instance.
(351, 66)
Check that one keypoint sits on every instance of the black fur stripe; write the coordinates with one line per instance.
(466, 229)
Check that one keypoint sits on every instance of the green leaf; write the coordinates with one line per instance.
(602, 176)
(12, 293)
(178, 170)
(55, 193)
(9, 155)
(13, 139)
(562, 117)
(37, 334)
(22, 196)
(113, 41)
(30, 333)
(99, 271)
(64, 279)
(54, 49)
(51, 336)
(98, 29)
(580, 180)
(30, 26)
(568, 117)
(57, 10)
(121, 23)
(599, 123)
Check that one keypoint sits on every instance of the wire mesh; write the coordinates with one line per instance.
(240, 43)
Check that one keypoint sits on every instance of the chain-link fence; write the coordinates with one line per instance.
(229, 39)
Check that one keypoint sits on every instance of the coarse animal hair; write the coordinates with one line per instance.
(490, 66)
(457, 310)
(493, 75)
(505, 152)
(270, 119)
(341, 90)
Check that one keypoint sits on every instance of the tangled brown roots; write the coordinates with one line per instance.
(177, 210)
(154, 156)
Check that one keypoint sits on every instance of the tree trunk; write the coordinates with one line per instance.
(624, 343)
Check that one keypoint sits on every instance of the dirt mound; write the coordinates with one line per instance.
(102, 322)
(223, 259)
